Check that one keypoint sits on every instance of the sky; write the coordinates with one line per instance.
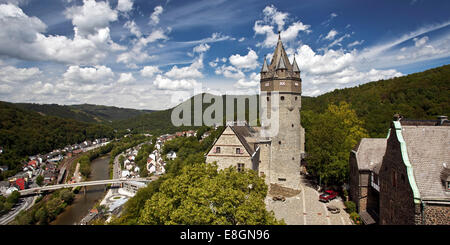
(154, 54)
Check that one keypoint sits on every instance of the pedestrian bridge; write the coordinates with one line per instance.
(38, 190)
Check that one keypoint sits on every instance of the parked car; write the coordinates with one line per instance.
(327, 196)
(279, 198)
(333, 209)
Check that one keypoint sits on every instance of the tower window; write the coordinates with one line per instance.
(292, 125)
(217, 150)
(282, 97)
(279, 142)
(281, 179)
(238, 150)
(295, 97)
(282, 83)
(268, 98)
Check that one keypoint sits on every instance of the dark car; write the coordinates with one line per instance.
(327, 196)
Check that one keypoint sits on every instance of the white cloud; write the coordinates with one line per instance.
(41, 88)
(154, 18)
(91, 16)
(241, 39)
(253, 81)
(201, 48)
(266, 27)
(11, 74)
(150, 71)
(124, 5)
(21, 37)
(355, 43)
(126, 78)
(249, 61)
(331, 34)
(191, 71)
(88, 75)
(165, 83)
(137, 54)
(134, 29)
(418, 42)
(230, 72)
(273, 16)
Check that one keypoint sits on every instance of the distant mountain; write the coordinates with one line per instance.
(24, 133)
(84, 112)
(422, 95)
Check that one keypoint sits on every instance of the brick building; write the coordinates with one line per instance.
(275, 149)
(413, 177)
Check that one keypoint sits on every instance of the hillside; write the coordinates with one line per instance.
(24, 133)
(159, 122)
(420, 95)
(85, 112)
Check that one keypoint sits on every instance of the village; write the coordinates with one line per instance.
(47, 166)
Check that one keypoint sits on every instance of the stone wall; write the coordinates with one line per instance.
(396, 196)
(437, 214)
(228, 142)
(286, 146)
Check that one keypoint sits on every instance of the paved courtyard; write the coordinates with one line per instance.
(306, 209)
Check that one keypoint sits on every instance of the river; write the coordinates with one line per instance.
(83, 203)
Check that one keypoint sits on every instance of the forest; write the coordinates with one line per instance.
(24, 133)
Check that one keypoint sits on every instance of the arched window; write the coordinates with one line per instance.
(282, 97)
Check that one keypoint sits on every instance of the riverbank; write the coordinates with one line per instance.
(83, 202)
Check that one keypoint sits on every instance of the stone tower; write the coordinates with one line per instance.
(280, 94)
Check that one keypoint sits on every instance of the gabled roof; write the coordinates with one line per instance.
(427, 148)
(370, 152)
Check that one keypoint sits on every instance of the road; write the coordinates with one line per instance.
(25, 204)
(306, 209)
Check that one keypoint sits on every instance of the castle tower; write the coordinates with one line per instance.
(281, 153)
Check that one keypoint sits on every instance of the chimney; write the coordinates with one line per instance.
(442, 119)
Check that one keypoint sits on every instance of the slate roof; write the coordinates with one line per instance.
(428, 148)
(370, 153)
(280, 54)
(242, 132)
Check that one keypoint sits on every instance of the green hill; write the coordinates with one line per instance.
(84, 112)
(24, 133)
(422, 95)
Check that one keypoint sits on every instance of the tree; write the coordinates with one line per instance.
(40, 180)
(201, 195)
(66, 195)
(331, 135)
(13, 198)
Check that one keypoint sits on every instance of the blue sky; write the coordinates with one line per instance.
(153, 54)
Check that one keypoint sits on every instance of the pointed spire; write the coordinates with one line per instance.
(281, 64)
(279, 35)
(265, 68)
(295, 66)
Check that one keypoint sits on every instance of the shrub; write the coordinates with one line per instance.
(356, 218)
(350, 207)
